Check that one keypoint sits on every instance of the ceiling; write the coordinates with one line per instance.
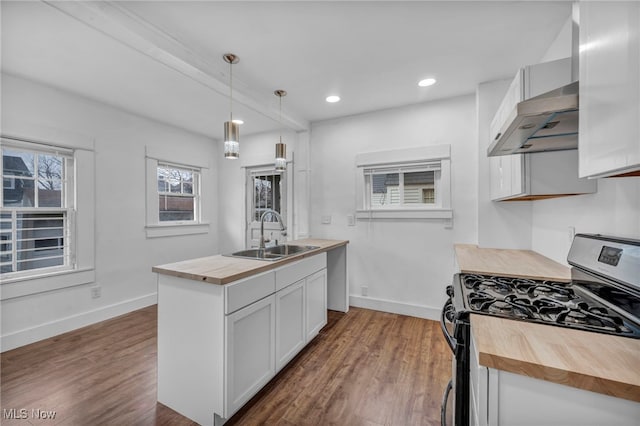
(163, 60)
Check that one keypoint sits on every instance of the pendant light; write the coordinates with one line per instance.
(281, 148)
(231, 129)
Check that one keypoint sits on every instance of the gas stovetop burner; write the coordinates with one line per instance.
(546, 302)
(500, 307)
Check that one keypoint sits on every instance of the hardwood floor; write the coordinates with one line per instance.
(365, 368)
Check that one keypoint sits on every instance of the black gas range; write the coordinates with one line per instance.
(569, 305)
(603, 296)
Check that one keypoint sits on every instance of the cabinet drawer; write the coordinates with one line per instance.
(296, 271)
(244, 292)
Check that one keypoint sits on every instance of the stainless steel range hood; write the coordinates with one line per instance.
(548, 122)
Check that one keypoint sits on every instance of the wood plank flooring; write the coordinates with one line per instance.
(365, 368)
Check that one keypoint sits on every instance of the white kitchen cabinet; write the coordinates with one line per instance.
(609, 129)
(290, 323)
(250, 343)
(500, 398)
(218, 345)
(537, 176)
(315, 303)
(542, 174)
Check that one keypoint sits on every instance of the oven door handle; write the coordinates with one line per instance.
(443, 406)
(447, 310)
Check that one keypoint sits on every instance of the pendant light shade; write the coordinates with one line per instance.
(231, 144)
(281, 148)
(231, 129)
(281, 156)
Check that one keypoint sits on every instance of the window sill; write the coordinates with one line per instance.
(404, 214)
(25, 285)
(176, 229)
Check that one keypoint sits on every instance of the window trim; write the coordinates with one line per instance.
(405, 161)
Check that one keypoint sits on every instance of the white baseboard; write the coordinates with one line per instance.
(419, 311)
(63, 325)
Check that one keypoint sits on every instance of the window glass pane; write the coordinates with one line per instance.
(187, 176)
(49, 167)
(163, 186)
(49, 193)
(266, 195)
(18, 178)
(17, 192)
(40, 241)
(187, 188)
(385, 189)
(50, 175)
(173, 208)
(17, 163)
(419, 188)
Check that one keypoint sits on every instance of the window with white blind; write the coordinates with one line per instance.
(409, 183)
(36, 232)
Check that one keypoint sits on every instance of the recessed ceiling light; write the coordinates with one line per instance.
(333, 99)
(427, 82)
(237, 121)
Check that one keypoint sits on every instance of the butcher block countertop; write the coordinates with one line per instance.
(592, 361)
(509, 263)
(221, 269)
(596, 362)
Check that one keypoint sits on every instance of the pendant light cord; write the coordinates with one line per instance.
(280, 118)
(230, 91)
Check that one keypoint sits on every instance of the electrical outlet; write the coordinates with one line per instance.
(571, 233)
(326, 219)
(96, 292)
(364, 290)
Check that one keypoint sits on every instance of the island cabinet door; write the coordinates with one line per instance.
(290, 325)
(250, 361)
(316, 303)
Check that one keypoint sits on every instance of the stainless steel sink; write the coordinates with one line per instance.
(272, 253)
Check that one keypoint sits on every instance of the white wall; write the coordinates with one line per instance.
(124, 256)
(614, 210)
(258, 150)
(405, 264)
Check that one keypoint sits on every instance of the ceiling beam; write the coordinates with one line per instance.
(131, 30)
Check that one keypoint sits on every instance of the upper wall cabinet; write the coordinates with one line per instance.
(609, 132)
(542, 174)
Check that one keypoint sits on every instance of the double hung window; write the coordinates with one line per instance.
(409, 183)
(36, 221)
(178, 194)
(174, 203)
(410, 186)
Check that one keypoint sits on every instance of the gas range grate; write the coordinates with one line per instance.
(547, 302)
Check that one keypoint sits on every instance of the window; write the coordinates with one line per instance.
(177, 194)
(410, 183)
(402, 186)
(266, 195)
(266, 189)
(37, 208)
(174, 203)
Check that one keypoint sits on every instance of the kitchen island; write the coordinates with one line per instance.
(517, 367)
(227, 325)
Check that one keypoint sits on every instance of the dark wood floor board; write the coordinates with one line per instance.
(365, 368)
